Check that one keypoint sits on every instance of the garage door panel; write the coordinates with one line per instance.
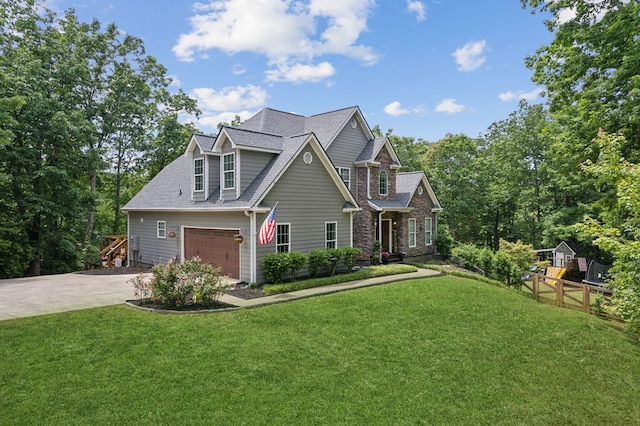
(214, 246)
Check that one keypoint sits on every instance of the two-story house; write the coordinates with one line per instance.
(334, 183)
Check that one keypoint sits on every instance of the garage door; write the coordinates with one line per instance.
(214, 246)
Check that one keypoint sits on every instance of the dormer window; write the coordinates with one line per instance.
(198, 174)
(229, 171)
(384, 183)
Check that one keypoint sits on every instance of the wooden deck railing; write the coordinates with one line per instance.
(572, 295)
(117, 248)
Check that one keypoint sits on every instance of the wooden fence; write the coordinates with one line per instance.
(572, 295)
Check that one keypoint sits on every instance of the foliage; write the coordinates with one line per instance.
(176, 285)
(617, 230)
(77, 111)
(371, 272)
(295, 262)
(469, 254)
(376, 253)
(275, 265)
(317, 258)
(333, 259)
(349, 255)
(444, 240)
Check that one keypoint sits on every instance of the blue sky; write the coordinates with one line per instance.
(423, 68)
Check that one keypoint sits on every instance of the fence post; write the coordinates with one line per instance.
(560, 293)
(535, 283)
(586, 293)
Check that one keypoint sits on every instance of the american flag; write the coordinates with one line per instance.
(268, 228)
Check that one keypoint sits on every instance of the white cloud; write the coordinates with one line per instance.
(212, 119)
(512, 96)
(238, 69)
(174, 81)
(470, 56)
(394, 109)
(418, 8)
(230, 98)
(299, 73)
(285, 31)
(450, 106)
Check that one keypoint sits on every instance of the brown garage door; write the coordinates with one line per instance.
(214, 246)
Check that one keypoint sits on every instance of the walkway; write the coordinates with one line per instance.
(25, 297)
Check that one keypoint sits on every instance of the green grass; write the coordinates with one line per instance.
(444, 350)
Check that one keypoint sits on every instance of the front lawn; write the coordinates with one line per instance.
(444, 350)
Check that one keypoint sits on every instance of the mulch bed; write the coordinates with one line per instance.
(192, 307)
(243, 291)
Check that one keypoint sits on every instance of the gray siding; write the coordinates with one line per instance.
(214, 173)
(251, 164)
(307, 198)
(156, 250)
(347, 146)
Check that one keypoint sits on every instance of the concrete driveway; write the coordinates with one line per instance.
(25, 297)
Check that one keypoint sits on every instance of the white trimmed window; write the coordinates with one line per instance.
(428, 232)
(331, 234)
(283, 238)
(384, 183)
(198, 174)
(412, 232)
(161, 229)
(345, 175)
(229, 170)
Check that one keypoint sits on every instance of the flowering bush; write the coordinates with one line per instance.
(176, 285)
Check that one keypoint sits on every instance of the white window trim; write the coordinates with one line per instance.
(195, 160)
(276, 237)
(326, 241)
(386, 187)
(414, 233)
(224, 172)
(161, 233)
(348, 182)
(428, 231)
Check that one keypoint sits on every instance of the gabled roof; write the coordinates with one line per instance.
(406, 185)
(204, 143)
(325, 126)
(373, 148)
(171, 188)
(249, 139)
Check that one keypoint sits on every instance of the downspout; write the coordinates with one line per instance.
(351, 229)
(128, 239)
(252, 245)
(368, 182)
(380, 229)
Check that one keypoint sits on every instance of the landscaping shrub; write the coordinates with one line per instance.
(296, 261)
(176, 285)
(485, 261)
(349, 257)
(444, 240)
(333, 258)
(469, 254)
(317, 259)
(275, 265)
(376, 253)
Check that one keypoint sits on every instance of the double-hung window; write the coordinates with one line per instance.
(331, 234)
(161, 229)
(412, 232)
(198, 174)
(384, 183)
(345, 175)
(229, 171)
(283, 237)
(428, 233)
